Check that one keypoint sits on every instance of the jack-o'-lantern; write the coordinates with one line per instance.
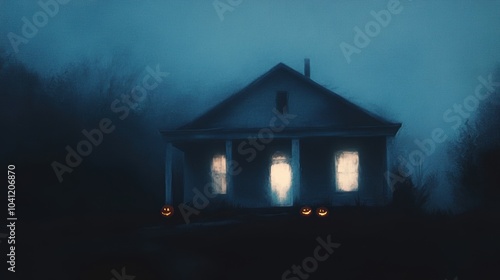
(322, 211)
(305, 211)
(167, 210)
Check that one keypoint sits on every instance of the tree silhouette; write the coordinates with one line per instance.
(476, 154)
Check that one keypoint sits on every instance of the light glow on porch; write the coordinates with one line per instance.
(219, 174)
(347, 171)
(281, 180)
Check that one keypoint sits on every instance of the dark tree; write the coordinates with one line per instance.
(476, 155)
(411, 193)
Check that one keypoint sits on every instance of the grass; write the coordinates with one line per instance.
(377, 243)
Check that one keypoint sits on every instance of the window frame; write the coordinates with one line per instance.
(288, 201)
(222, 175)
(335, 173)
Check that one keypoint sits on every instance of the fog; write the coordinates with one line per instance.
(426, 59)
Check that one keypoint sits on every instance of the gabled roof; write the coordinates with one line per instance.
(200, 128)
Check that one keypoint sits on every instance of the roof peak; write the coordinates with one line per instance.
(294, 73)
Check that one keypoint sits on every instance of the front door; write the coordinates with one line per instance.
(280, 180)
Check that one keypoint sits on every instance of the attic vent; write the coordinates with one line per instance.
(307, 67)
(282, 101)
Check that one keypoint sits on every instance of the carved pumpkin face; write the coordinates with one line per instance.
(167, 210)
(322, 211)
(305, 211)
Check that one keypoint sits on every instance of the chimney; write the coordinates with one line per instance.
(307, 68)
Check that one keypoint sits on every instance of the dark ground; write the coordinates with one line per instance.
(376, 243)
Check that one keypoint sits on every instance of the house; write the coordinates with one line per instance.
(283, 140)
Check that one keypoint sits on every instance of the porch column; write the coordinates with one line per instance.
(229, 175)
(168, 174)
(296, 170)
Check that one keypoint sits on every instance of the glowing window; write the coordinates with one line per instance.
(346, 171)
(281, 180)
(219, 174)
